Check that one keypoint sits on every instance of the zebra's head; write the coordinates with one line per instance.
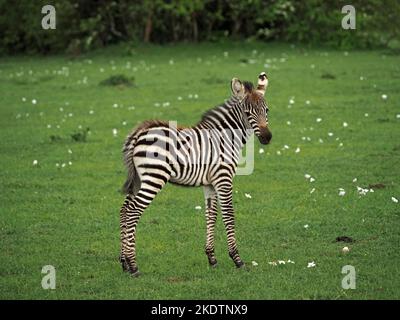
(254, 105)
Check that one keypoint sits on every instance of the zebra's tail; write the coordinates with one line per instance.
(132, 183)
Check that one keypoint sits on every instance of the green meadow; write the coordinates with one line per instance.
(331, 170)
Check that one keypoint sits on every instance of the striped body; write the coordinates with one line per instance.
(204, 155)
(189, 156)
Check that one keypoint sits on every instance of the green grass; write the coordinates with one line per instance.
(68, 216)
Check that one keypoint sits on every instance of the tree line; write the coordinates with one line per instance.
(86, 24)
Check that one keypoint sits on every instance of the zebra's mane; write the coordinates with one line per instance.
(228, 104)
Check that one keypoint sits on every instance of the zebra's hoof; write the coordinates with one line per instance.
(212, 262)
(239, 264)
(135, 274)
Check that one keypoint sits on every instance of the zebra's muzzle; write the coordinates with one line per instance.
(265, 135)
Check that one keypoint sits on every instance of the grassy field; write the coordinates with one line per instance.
(341, 109)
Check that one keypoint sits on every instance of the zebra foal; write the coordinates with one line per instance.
(207, 155)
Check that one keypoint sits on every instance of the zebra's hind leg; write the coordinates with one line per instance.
(211, 217)
(224, 191)
(129, 198)
(149, 188)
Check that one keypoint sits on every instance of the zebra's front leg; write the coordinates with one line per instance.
(210, 196)
(224, 192)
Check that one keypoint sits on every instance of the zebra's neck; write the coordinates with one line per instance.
(229, 117)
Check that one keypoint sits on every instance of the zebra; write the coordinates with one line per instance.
(206, 154)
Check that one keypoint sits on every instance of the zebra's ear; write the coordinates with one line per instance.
(237, 88)
(262, 83)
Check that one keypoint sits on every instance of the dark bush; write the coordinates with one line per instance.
(118, 80)
(87, 24)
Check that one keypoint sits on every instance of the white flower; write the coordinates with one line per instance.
(23, 99)
(278, 153)
(345, 249)
(307, 176)
(195, 96)
(330, 134)
(345, 124)
(297, 150)
(312, 190)
(171, 61)
(179, 98)
(366, 114)
(288, 123)
(290, 261)
(395, 200)
(115, 105)
(384, 96)
(261, 150)
(312, 179)
(398, 116)
(115, 132)
(91, 112)
(34, 101)
(48, 126)
(57, 165)
(341, 192)
(247, 195)
(355, 180)
(320, 140)
(286, 146)
(35, 162)
(70, 163)
(361, 78)
(318, 119)
(311, 264)
(197, 207)
(63, 165)
(272, 263)
(69, 151)
(291, 101)
(362, 191)
(254, 263)
(306, 226)
(124, 123)
(308, 102)
(281, 262)
(166, 104)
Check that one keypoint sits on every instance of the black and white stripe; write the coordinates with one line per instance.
(204, 155)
